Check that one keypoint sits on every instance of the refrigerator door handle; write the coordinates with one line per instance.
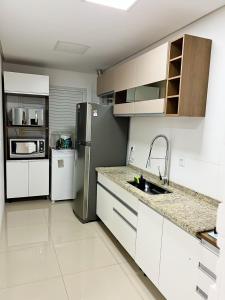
(88, 122)
(86, 180)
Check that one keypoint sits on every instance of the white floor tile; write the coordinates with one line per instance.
(109, 283)
(20, 218)
(62, 232)
(83, 255)
(61, 211)
(48, 290)
(94, 264)
(142, 284)
(27, 265)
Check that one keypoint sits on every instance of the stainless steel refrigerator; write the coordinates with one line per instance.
(101, 141)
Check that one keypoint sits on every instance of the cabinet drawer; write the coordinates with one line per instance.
(128, 214)
(124, 232)
(119, 192)
(208, 258)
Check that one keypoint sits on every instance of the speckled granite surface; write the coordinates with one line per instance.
(189, 210)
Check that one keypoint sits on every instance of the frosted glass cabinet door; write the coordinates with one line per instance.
(39, 177)
(17, 178)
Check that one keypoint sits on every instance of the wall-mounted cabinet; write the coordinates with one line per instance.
(182, 69)
(145, 69)
(29, 84)
(142, 100)
(105, 83)
(188, 72)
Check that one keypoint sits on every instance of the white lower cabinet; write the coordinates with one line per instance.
(148, 243)
(17, 179)
(38, 177)
(104, 206)
(116, 213)
(27, 178)
(179, 264)
(176, 262)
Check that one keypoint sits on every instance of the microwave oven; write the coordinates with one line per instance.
(26, 148)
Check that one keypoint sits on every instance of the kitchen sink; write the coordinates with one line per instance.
(149, 188)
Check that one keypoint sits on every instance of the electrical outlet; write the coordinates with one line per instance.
(182, 163)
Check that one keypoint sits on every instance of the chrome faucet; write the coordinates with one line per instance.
(165, 177)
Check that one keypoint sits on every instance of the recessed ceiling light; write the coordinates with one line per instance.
(120, 4)
(70, 47)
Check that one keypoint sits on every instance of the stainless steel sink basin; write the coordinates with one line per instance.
(150, 188)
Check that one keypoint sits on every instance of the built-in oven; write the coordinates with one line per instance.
(27, 148)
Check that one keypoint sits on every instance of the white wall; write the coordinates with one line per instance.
(199, 141)
(60, 77)
(2, 192)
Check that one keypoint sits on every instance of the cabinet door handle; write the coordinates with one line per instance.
(124, 219)
(205, 270)
(201, 293)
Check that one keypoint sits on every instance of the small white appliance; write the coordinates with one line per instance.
(27, 148)
(18, 116)
(63, 175)
(35, 116)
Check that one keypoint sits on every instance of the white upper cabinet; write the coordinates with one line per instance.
(30, 84)
(106, 82)
(126, 76)
(152, 66)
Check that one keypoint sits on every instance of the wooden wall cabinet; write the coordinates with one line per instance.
(188, 72)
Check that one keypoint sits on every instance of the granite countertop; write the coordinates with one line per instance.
(189, 210)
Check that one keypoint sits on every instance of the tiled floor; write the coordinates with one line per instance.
(47, 254)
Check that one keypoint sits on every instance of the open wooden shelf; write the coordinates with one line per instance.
(172, 106)
(27, 126)
(176, 48)
(187, 79)
(173, 87)
(175, 68)
(176, 58)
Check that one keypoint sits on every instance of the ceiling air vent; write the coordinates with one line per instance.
(70, 47)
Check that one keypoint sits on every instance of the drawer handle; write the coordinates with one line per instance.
(205, 270)
(124, 219)
(201, 293)
(118, 199)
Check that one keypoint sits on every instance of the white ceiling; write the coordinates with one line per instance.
(29, 29)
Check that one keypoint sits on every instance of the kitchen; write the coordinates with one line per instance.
(155, 234)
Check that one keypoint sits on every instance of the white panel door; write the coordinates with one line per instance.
(152, 66)
(126, 76)
(104, 206)
(39, 177)
(148, 243)
(21, 83)
(179, 264)
(17, 178)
